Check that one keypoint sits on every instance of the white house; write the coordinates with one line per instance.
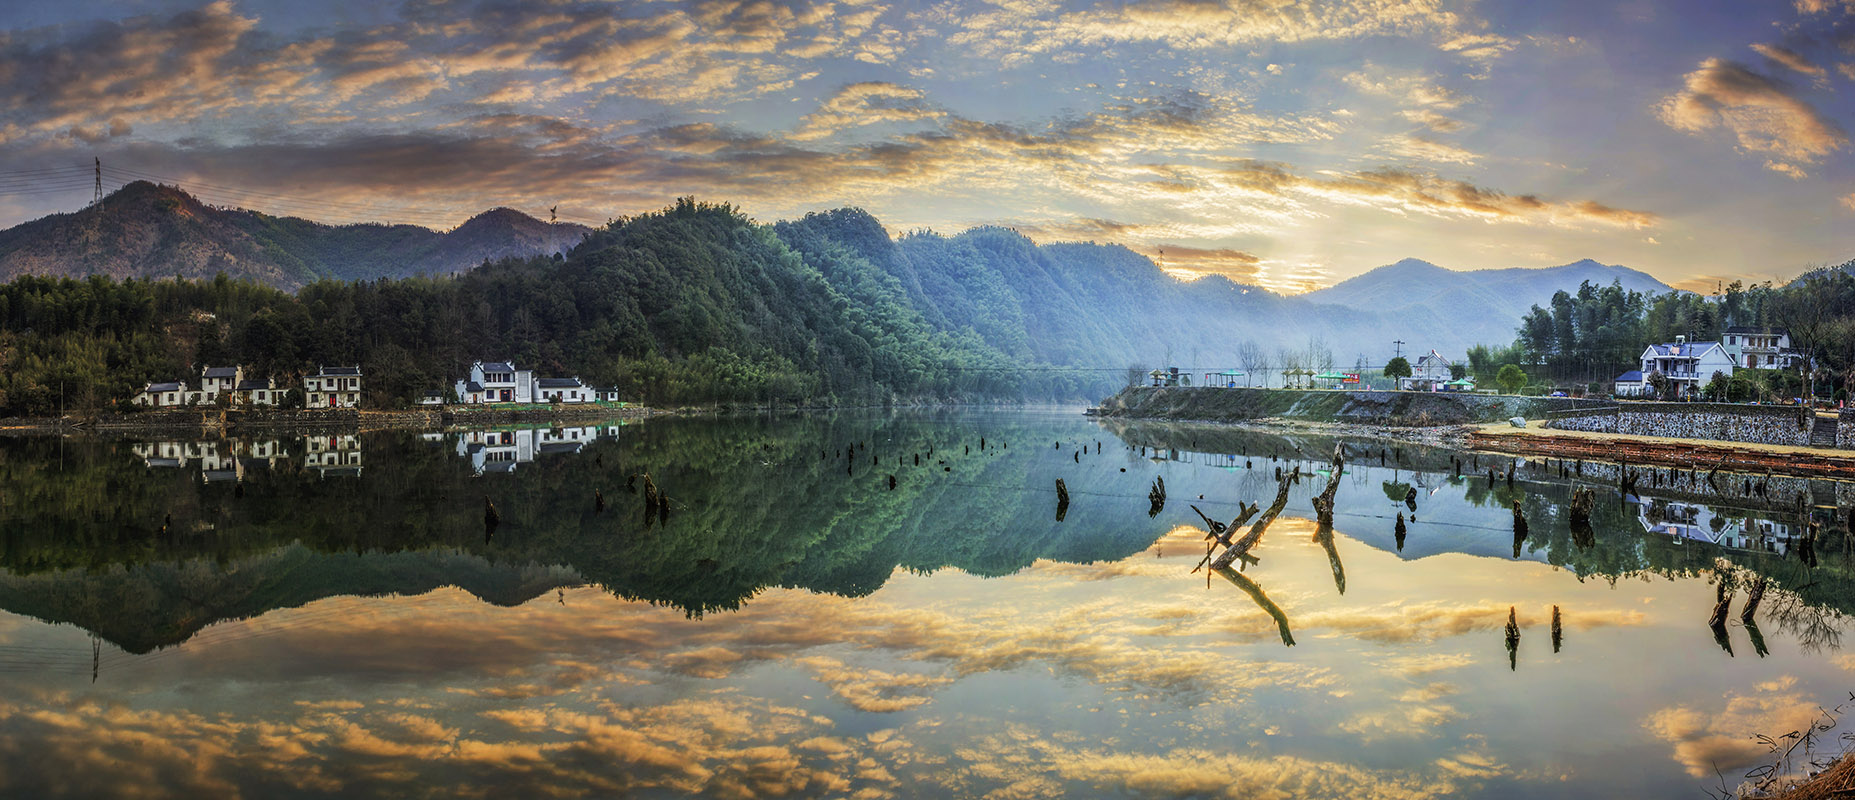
(257, 392)
(1428, 373)
(431, 397)
(332, 387)
(497, 382)
(162, 395)
(1688, 367)
(606, 395)
(1759, 348)
(219, 381)
(564, 390)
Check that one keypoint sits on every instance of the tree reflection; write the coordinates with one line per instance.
(1263, 602)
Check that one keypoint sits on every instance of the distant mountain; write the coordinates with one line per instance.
(145, 230)
(1479, 306)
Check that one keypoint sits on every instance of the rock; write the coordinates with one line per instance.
(1518, 422)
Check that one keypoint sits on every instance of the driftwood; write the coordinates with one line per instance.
(1221, 532)
(1156, 497)
(1717, 620)
(1754, 596)
(1241, 547)
(1255, 592)
(1323, 503)
(1323, 536)
(1513, 640)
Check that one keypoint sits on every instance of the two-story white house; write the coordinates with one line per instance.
(496, 451)
(217, 382)
(1428, 373)
(257, 392)
(564, 390)
(162, 395)
(497, 382)
(1687, 366)
(1759, 348)
(332, 387)
(337, 455)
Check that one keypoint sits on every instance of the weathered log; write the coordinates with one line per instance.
(1717, 619)
(1754, 596)
(1241, 547)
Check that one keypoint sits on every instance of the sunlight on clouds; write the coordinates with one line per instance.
(1764, 115)
(1725, 740)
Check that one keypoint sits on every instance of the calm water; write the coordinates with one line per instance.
(291, 615)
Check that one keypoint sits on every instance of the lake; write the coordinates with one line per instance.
(328, 614)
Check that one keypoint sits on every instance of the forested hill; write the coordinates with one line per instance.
(144, 230)
(697, 303)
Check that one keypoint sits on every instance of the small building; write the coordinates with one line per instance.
(257, 392)
(1759, 348)
(1687, 366)
(333, 387)
(496, 382)
(1629, 384)
(431, 397)
(162, 395)
(1428, 374)
(563, 390)
(607, 395)
(217, 382)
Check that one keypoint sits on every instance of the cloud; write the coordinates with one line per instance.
(1192, 262)
(867, 103)
(1412, 88)
(1848, 201)
(1790, 58)
(1401, 190)
(1424, 148)
(1724, 741)
(1762, 113)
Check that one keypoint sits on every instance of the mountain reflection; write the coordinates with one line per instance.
(144, 543)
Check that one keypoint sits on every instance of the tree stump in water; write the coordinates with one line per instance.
(1557, 631)
(1717, 620)
(1323, 503)
(1513, 640)
(1582, 502)
(491, 518)
(1754, 596)
(1062, 500)
(598, 500)
(891, 483)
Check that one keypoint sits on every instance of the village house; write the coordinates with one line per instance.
(332, 387)
(1759, 348)
(606, 395)
(1687, 366)
(564, 390)
(1629, 384)
(496, 451)
(217, 382)
(257, 392)
(431, 397)
(162, 395)
(496, 382)
(333, 456)
(1428, 374)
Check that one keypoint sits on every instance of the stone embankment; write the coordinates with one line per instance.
(1720, 422)
(1366, 407)
(345, 419)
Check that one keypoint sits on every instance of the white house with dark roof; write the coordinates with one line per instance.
(216, 382)
(497, 382)
(333, 455)
(1759, 348)
(332, 387)
(564, 390)
(606, 394)
(1629, 384)
(162, 395)
(1428, 373)
(1687, 366)
(257, 392)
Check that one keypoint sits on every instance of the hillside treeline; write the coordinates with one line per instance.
(693, 304)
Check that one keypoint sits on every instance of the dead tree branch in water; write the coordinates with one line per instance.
(1255, 592)
(1241, 547)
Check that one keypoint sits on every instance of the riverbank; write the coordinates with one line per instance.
(1366, 407)
(1537, 440)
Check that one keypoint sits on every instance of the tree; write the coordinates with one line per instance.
(1511, 378)
(1398, 368)
(1658, 383)
(1717, 387)
(1458, 371)
(1253, 359)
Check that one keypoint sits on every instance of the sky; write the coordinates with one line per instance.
(1288, 145)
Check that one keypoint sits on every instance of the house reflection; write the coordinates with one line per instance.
(333, 455)
(502, 450)
(1699, 522)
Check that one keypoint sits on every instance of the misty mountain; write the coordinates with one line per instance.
(1478, 306)
(145, 230)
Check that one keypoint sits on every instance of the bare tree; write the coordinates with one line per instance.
(1252, 358)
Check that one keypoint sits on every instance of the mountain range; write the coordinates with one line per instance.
(146, 230)
(1064, 303)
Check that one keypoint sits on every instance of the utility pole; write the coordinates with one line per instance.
(98, 197)
(1398, 352)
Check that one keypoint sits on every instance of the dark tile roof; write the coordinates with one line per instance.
(1747, 329)
(1633, 376)
(338, 372)
(163, 387)
(498, 366)
(250, 383)
(220, 372)
(560, 383)
(473, 386)
(1689, 350)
